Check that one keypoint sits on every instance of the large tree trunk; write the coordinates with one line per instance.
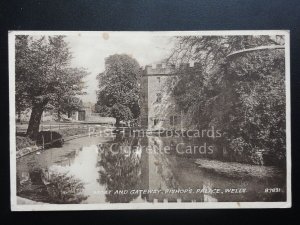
(58, 115)
(35, 120)
(117, 122)
(19, 116)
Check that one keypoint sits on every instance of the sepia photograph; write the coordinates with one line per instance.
(149, 120)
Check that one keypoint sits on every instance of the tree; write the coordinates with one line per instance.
(66, 104)
(242, 95)
(43, 74)
(258, 119)
(21, 54)
(118, 96)
(71, 104)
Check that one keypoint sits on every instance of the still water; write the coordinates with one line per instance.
(120, 170)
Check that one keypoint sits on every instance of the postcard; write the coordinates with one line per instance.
(149, 120)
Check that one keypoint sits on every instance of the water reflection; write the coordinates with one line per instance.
(120, 169)
(125, 169)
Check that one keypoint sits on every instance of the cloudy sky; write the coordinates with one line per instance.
(90, 51)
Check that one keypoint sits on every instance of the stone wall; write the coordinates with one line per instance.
(158, 109)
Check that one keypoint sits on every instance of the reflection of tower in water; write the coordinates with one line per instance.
(161, 172)
(144, 169)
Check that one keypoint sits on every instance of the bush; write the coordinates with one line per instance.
(24, 142)
(51, 139)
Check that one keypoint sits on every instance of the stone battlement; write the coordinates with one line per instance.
(167, 69)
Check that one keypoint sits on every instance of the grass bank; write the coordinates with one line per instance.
(239, 170)
(23, 141)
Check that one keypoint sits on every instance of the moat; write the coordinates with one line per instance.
(120, 170)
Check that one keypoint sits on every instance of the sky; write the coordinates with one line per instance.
(90, 50)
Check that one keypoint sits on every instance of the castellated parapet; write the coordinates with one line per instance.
(169, 69)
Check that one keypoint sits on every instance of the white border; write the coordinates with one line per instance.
(127, 206)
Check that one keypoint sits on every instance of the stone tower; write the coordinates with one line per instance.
(154, 114)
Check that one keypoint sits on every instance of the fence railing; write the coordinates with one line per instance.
(52, 127)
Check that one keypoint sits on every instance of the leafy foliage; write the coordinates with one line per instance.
(44, 75)
(243, 95)
(119, 88)
(64, 188)
(259, 116)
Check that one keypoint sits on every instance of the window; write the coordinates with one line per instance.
(144, 121)
(158, 79)
(174, 120)
(156, 121)
(158, 98)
